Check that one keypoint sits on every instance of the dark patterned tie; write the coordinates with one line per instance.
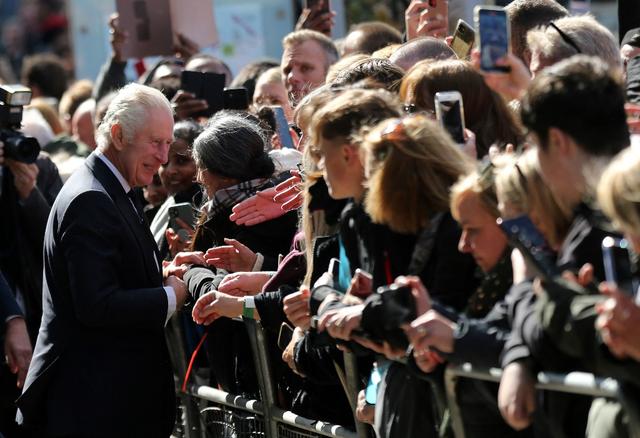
(135, 203)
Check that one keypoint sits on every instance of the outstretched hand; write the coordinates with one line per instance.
(232, 257)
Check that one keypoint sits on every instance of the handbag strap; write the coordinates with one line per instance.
(424, 245)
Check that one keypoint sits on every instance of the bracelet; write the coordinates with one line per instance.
(248, 307)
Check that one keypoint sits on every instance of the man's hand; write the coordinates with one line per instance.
(517, 395)
(340, 323)
(233, 257)
(419, 292)
(185, 105)
(244, 283)
(180, 263)
(364, 411)
(288, 353)
(431, 330)
(512, 84)
(180, 289)
(118, 38)
(315, 18)
(25, 177)
(17, 348)
(289, 192)
(296, 307)
(619, 322)
(184, 47)
(213, 305)
(259, 208)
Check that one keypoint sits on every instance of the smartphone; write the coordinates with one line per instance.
(284, 336)
(185, 212)
(207, 86)
(323, 6)
(235, 98)
(450, 114)
(282, 126)
(618, 265)
(463, 39)
(524, 236)
(494, 37)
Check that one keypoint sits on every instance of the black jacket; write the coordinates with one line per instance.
(104, 312)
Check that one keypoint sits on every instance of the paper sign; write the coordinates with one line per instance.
(152, 25)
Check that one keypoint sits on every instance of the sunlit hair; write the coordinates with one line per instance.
(519, 185)
(344, 64)
(480, 183)
(130, 109)
(485, 113)
(619, 190)
(412, 164)
(349, 111)
(300, 36)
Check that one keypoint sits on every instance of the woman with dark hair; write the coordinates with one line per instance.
(485, 113)
(178, 176)
(232, 165)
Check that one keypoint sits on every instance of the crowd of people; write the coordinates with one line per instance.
(148, 217)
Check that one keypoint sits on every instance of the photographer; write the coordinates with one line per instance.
(27, 192)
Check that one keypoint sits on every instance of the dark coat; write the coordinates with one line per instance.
(100, 365)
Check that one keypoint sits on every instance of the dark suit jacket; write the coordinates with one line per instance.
(100, 365)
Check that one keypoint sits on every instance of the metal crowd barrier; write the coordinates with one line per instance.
(209, 412)
(574, 383)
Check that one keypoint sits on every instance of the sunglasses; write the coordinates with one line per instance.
(566, 38)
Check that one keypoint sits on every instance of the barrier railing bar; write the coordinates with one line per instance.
(279, 415)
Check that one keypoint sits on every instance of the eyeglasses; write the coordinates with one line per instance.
(566, 38)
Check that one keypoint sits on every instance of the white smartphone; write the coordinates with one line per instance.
(450, 114)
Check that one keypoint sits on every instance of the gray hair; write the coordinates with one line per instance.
(233, 145)
(129, 109)
(592, 38)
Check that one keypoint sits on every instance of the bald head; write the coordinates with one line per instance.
(419, 49)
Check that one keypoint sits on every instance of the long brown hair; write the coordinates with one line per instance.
(411, 171)
(485, 113)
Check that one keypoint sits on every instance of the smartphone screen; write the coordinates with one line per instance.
(463, 39)
(284, 336)
(282, 126)
(450, 113)
(524, 236)
(207, 86)
(493, 29)
(235, 98)
(618, 266)
(183, 211)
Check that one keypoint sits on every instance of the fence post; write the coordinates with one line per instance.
(450, 381)
(265, 377)
(351, 373)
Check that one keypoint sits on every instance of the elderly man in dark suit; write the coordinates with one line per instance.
(100, 367)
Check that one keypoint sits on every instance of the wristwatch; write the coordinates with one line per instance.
(248, 307)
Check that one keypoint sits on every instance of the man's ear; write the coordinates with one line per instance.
(117, 137)
(563, 144)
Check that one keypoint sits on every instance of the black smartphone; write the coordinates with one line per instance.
(207, 86)
(284, 336)
(618, 265)
(282, 126)
(450, 114)
(524, 236)
(494, 37)
(185, 212)
(235, 98)
(322, 6)
(463, 38)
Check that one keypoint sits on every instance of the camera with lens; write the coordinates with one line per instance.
(17, 146)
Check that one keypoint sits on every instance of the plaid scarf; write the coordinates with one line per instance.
(227, 198)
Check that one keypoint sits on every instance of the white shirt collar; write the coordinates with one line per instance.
(114, 170)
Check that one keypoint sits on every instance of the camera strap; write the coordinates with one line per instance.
(424, 245)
